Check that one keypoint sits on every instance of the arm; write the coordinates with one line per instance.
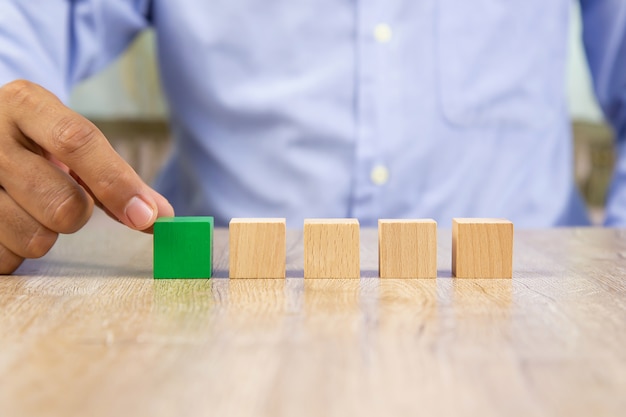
(605, 43)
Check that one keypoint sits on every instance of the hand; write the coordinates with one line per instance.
(54, 164)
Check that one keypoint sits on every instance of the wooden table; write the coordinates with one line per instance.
(86, 331)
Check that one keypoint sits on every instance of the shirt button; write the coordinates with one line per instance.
(382, 33)
(379, 175)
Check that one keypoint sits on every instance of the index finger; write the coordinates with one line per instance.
(77, 143)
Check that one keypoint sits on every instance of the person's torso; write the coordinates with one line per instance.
(395, 109)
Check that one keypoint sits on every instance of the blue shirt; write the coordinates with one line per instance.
(367, 109)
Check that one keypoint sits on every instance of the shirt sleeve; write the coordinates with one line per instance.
(57, 43)
(604, 36)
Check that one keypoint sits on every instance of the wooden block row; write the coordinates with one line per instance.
(481, 248)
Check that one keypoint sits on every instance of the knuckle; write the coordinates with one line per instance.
(72, 135)
(39, 242)
(68, 210)
(108, 184)
(19, 92)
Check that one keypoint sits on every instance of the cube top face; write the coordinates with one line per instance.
(257, 248)
(244, 220)
(407, 248)
(481, 221)
(331, 221)
(382, 222)
(331, 248)
(183, 247)
(482, 248)
(184, 219)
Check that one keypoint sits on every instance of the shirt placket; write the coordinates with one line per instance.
(373, 36)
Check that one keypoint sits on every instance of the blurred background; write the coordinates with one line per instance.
(126, 102)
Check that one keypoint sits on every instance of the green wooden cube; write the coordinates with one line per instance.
(183, 247)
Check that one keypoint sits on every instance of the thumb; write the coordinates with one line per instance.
(141, 210)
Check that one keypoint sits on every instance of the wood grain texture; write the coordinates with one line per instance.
(331, 248)
(257, 248)
(407, 248)
(482, 248)
(86, 331)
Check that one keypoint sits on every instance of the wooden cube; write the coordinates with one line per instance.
(183, 247)
(257, 248)
(482, 248)
(407, 248)
(331, 248)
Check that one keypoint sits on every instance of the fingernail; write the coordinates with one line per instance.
(139, 213)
